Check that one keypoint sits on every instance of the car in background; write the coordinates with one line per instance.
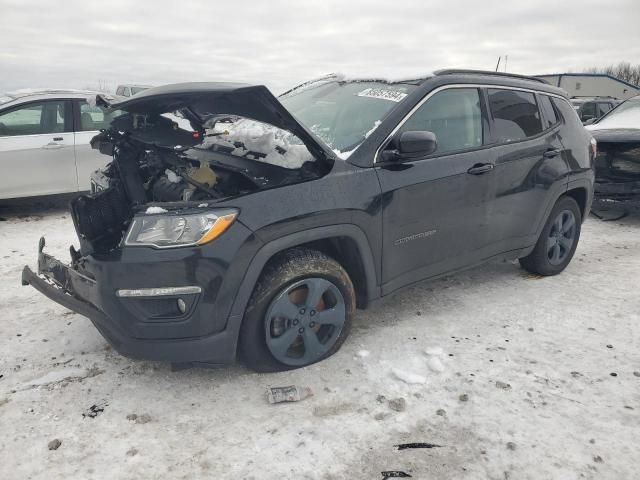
(592, 108)
(130, 90)
(44, 141)
(618, 159)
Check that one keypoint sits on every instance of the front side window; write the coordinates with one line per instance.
(120, 91)
(34, 119)
(515, 115)
(344, 114)
(93, 117)
(454, 116)
(603, 108)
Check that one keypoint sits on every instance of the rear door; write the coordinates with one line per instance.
(529, 165)
(435, 208)
(89, 119)
(36, 149)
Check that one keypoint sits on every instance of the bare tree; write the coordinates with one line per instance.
(622, 70)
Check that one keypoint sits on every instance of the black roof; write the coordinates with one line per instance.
(501, 78)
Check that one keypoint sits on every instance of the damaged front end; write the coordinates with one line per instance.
(148, 272)
(618, 167)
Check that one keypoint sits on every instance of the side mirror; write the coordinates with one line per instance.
(412, 145)
(589, 121)
(586, 118)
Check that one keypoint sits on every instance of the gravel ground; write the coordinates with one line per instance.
(511, 376)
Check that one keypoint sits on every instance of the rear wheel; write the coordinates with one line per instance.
(558, 240)
(300, 312)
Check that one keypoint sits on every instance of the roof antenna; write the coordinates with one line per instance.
(506, 59)
(498, 64)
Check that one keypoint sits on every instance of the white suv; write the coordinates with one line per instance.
(44, 141)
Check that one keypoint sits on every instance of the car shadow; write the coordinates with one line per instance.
(17, 208)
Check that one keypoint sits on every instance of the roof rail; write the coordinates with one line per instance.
(453, 71)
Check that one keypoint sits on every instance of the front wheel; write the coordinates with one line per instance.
(300, 312)
(558, 240)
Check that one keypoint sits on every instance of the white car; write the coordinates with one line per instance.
(44, 141)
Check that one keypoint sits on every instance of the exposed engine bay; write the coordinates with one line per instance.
(177, 161)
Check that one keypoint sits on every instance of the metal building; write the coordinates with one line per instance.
(592, 85)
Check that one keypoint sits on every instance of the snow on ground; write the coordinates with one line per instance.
(535, 378)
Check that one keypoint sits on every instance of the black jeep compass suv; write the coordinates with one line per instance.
(232, 222)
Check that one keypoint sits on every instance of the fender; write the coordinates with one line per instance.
(267, 251)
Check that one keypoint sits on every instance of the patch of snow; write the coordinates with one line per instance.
(155, 210)
(434, 351)
(280, 147)
(435, 364)
(183, 123)
(373, 129)
(408, 377)
(363, 353)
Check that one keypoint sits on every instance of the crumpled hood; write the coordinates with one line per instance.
(203, 99)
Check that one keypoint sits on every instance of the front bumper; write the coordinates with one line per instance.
(148, 326)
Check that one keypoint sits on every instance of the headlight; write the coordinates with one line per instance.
(167, 230)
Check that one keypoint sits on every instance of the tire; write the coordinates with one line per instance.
(549, 258)
(278, 313)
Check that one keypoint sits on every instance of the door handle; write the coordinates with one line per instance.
(480, 168)
(52, 146)
(57, 139)
(552, 152)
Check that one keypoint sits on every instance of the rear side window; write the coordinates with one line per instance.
(34, 119)
(454, 115)
(588, 111)
(550, 117)
(515, 115)
(603, 108)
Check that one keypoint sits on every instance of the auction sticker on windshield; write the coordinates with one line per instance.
(382, 94)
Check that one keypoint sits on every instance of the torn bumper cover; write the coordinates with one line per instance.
(160, 324)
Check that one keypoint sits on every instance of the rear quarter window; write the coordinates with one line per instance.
(515, 115)
(550, 118)
(568, 114)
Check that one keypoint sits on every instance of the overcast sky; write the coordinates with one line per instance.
(279, 43)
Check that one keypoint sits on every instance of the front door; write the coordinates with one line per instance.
(37, 150)
(435, 208)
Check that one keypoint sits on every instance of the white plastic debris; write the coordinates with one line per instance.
(408, 377)
(292, 393)
(172, 176)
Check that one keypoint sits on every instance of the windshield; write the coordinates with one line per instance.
(626, 115)
(343, 114)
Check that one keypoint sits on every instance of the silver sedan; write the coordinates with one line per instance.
(44, 142)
